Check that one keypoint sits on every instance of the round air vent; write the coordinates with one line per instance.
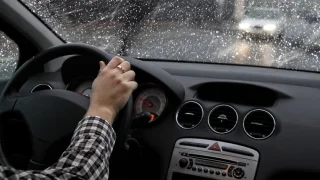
(189, 115)
(223, 119)
(41, 87)
(259, 124)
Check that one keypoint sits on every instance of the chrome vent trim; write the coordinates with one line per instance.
(273, 121)
(44, 86)
(189, 113)
(219, 106)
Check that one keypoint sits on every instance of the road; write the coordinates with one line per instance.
(180, 42)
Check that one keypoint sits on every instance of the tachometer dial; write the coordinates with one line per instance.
(151, 100)
(84, 88)
(81, 85)
(87, 92)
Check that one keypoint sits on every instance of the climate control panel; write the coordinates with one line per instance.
(213, 160)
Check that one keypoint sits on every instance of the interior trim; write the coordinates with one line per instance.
(274, 122)
(177, 114)
(50, 87)
(222, 105)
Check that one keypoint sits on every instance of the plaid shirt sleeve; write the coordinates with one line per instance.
(87, 157)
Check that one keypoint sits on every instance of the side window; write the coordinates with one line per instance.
(9, 55)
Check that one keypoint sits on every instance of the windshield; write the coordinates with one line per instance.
(263, 14)
(210, 31)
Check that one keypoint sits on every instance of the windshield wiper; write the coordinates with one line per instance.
(139, 10)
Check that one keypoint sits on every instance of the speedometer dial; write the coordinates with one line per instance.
(81, 85)
(151, 100)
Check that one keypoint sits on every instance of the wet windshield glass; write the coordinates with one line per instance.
(262, 14)
(279, 33)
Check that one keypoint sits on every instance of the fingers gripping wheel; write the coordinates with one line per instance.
(44, 111)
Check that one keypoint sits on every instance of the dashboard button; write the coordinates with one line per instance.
(242, 164)
(211, 171)
(183, 162)
(184, 143)
(238, 173)
(246, 153)
(215, 147)
(210, 164)
(190, 164)
(217, 172)
(237, 151)
(205, 170)
(194, 144)
(184, 154)
(201, 145)
(200, 169)
(194, 168)
(223, 173)
(230, 171)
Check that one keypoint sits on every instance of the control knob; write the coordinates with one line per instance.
(238, 173)
(183, 162)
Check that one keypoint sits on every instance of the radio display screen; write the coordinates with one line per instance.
(179, 176)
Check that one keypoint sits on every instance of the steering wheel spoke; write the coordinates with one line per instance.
(38, 160)
(7, 104)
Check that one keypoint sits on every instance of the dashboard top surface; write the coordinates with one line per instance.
(239, 72)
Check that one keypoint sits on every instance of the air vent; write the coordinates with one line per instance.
(189, 115)
(259, 124)
(41, 87)
(223, 119)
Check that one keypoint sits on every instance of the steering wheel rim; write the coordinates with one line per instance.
(8, 104)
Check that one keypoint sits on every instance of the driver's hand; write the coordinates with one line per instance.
(111, 89)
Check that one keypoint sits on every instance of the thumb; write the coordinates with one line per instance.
(102, 65)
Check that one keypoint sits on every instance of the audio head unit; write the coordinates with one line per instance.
(200, 159)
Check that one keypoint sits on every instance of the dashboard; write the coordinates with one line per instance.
(215, 121)
(289, 99)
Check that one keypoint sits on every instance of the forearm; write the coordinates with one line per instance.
(87, 157)
(90, 150)
(106, 113)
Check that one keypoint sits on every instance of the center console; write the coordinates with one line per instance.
(201, 159)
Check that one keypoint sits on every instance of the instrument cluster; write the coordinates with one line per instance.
(148, 98)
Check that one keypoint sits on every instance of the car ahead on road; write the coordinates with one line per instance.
(262, 22)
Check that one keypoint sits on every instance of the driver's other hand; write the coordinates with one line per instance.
(111, 89)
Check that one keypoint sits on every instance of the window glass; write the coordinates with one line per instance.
(9, 55)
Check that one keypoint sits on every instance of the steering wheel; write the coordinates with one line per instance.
(53, 115)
